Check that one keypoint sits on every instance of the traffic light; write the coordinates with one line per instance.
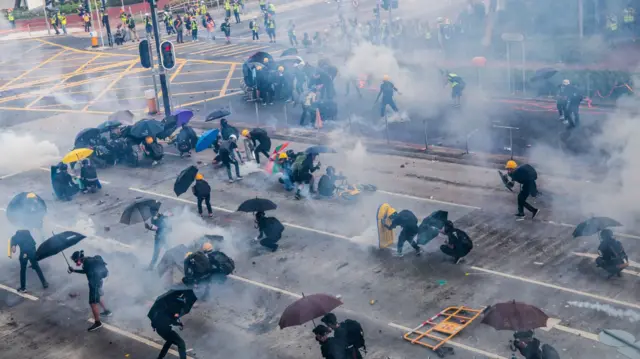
(167, 55)
(385, 4)
(145, 54)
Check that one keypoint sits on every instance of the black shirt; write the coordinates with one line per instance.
(459, 239)
(25, 241)
(407, 220)
(201, 188)
(260, 135)
(524, 174)
(88, 172)
(387, 89)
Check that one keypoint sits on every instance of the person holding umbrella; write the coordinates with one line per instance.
(270, 231)
(526, 175)
(202, 191)
(96, 271)
(89, 177)
(263, 140)
(458, 244)
(23, 239)
(165, 314)
(330, 347)
(160, 225)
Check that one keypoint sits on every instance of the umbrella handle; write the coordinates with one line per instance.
(65, 259)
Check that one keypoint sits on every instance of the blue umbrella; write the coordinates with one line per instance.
(207, 139)
(183, 116)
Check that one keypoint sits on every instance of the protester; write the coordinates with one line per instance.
(457, 86)
(179, 26)
(612, 256)
(409, 223)
(261, 142)
(387, 90)
(63, 185)
(162, 324)
(96, 271)
(89, 177)
(160, 225)
(327, 183)
(302, 169)
(347, 334)
(227, 130)
(309, 107)
(227, 155)
(287, 173)
(458, 244)
(329, 347)
(226, 29)
(23, 239)
(270, 231)
(202, 191)
(526, 175)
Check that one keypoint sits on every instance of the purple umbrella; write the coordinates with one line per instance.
(183, 116)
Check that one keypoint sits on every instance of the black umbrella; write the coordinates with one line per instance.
(123, 116)
(505, 180)
(169, 125)
(218, 114)
(140, 211)
(594, 225)
(184, 180)
(320, 149)
(431, 226)
(544, 73)
(257, 205)
(26, 210)
(58, 243)
(86, 137)
(144, 128)
(172, 257)
(259, 57)
(109, 125)
(289, 52)
(174, 301)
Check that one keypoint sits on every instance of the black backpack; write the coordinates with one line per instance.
(273, 227)
(223, 262)
(355, 334)
(199, 262)
(99, 267)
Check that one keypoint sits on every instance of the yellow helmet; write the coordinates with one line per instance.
(199, 176)
(148, 140)
(281, 68)
(207, 247)
(187, 255)
(511, 165)
(258, 67)
(265, 60)
(283, 156)
(31, 195)
(386, 77)
(245, 133)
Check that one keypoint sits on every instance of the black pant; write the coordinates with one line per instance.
(456, 252)
(228, 164)
(270, 242)
(31, 257)
(179, 37)
(572, 115)
(262, 148)
(171, 338)
(256, 36)
(237, 16)
(207, 202)
(306, 110)
(561, 106)
(407, 236)
(525, 192)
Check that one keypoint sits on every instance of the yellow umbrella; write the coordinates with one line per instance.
(77, 155)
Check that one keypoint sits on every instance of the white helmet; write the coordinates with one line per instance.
(233, 138)
(566, 82)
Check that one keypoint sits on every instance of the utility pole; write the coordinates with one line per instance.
(163, 77)
(105, 21)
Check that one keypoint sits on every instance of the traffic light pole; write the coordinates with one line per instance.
(105, 21)
(163, 77)
(153, 70)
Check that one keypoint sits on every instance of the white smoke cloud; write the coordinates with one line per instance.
(627, 314)
(22, 152)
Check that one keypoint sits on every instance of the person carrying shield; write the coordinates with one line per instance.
(409, 223)
(526, 175)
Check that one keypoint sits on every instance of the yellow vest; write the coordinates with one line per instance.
(236, 8)
(271, 24)
(63, 19)
(86, 18)
(227, 6)
(10, 17)
(612, 25)
(194, 25)
(629, 15)
(272, 8)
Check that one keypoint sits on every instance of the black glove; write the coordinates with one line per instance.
(148, 226)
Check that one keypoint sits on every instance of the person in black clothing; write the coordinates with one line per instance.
(89, 177)
(458, 243)
(160, 225)
(227, 130)
(526, 175)
(202, 191)
(303, 172)
(27, 244)
(409, 223)
(270, 231)
(63, 184)
(227, 150)
(568, 101)
(327, 183)
(387, 90)
(96, 271)
(162, 324)
(612, 257)
(263, 145)
(341, 335)
(329, 347)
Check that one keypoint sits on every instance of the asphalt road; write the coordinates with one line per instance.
(328, 246)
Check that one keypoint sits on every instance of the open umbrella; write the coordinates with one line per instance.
(431, 226)
(172, 257)
(184, 180)
(169, 125)
(515, 316)
(123, 116)
(544, 73)
(58, 243)
(140, 211)
(289, 52)
(26, 210)
(86, 137)
(308, 308)
(260, 56)
(594, 225)
(183, 116)
(109, 125)
(144, 128)
(207, 139)
(505, 180)
(174, 301)
(320, 149)
(76, 155)
(218, 114)
(257, 205)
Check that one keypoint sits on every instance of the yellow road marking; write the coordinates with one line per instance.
(176, 72)
(201, 81)
(81, 51)
(553, 286)
(201, 72)
(250, 49)
(208, 99)
(7, 108)
(223, 91)
(121, 75)
(214, 48)
(31, 70)
(87, 63)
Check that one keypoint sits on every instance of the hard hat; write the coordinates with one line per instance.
(207, 247)
(199, 176)
(258, 67)
(283, 156)
(233, 138)
(31, 195)
(245, 132)
(148, 140)
(511, 164)
(281, 68)
(266, 59)
(187, 255)
(566, 82)
(386, 77)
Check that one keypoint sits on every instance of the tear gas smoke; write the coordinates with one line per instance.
(33, 152)
(627, 314)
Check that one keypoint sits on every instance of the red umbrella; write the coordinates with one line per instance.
(308, 308)
(515, 316)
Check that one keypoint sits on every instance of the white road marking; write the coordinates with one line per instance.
(23, 295)
(554, 323)
(553, 286)
(135, 337)
(12, 174)
(454, 343)
(265, 286)
(594, 256)
(626, 235)
(428, 199)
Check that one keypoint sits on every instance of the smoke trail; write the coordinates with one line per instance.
(33, 153)
(628, 314)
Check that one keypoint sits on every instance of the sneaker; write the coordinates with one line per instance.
(210, 215)
(398, 254)
(230, 180)
(534, 214)
(95, 326)
(106, 313)
(239, 178)
(519, 217)
(21, 290)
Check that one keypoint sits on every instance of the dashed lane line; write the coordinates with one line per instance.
(23, 295)
(429, 200)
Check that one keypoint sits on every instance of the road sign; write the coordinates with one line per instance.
(167, 55)
(145, 58)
